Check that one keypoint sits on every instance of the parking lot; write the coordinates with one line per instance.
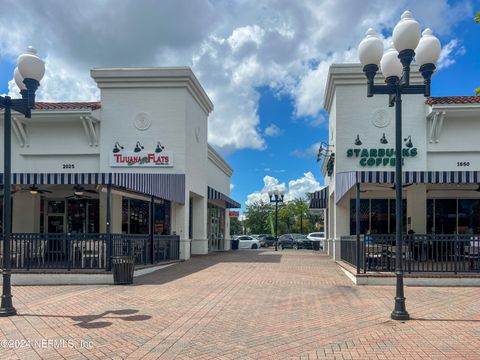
(248, 304)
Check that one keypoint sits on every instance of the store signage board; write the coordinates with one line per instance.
(234, 213)
(377, 157)
(141, 159)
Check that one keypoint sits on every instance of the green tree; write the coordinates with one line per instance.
(257, 218)
(235, 226)
(293, 217)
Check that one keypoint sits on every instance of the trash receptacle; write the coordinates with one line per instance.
(234, 244)
(316, 245)
(122, 269)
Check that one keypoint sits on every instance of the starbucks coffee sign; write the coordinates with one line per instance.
(377, 157)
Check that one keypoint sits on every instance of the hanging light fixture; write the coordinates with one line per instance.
(383, 140)
(138, 147)
(358, 141)
(159, 148)
(117, 148)
(408, 141)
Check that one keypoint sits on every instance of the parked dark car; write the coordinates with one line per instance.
(303, 242)
(294, 241)
(266, 240)
(286, 241)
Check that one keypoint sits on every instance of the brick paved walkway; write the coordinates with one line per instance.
(242, 305)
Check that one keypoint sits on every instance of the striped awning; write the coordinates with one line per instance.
(166, 186)
(346, 180)
(217, 195)
(319, 199)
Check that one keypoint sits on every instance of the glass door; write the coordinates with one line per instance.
(77, 216)
(55, 224)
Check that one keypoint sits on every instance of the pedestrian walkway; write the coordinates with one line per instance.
(241, 305)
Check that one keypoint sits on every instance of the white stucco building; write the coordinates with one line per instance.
(441, 154)
(137, 163)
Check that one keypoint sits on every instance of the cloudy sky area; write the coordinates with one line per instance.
(263, 63)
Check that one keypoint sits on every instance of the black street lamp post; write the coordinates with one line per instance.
(276, 196)
(395, 66)
(30, 70)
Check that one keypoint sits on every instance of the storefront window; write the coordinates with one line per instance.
(445, 216)
(451, 216)
(377, 216)
(364, 216)
(469, 216)
(83, 216)
(135, 216)
(162, 218)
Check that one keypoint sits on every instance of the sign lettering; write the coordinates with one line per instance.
(377, 157)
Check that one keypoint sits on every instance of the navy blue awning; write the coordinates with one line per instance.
(344, 181)
(319, 199)
(217, 195)
(166, 186)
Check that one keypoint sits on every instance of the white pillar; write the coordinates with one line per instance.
(25, 211)
(226, 238)
(180, 214)
(341, 223)
(417, 208)
(199, 233)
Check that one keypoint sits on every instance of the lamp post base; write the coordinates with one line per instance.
(401, 315)
(6, 306)
(400, 311)
(7, 311)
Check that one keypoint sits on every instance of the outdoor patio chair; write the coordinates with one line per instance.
(472, 254)
(406, 255)
(376, 256)
(92, 253)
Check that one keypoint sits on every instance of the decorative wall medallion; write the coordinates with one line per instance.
(381, 118)
(142, 121)
(197, 134)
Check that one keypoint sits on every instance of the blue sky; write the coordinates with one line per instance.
(460, 78)
(262, 62)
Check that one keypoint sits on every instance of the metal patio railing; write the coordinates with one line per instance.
(420, 253)
(87, 251)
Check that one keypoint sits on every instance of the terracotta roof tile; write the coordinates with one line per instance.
(453, 100)
(67, 105)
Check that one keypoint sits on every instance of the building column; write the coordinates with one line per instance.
(416, 196)
(226, 238)
(180, 222)
(25, 213)
(341, 223)
(199, 224)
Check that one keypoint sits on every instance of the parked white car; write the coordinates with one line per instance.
(317, 236)
(248, 242)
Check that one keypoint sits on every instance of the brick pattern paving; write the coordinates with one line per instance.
(241, 305)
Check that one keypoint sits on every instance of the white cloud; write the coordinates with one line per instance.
(300, 187)
(297, 188)
(232, 186)
(310, 152)
(449, 53)
(233, 47)
(273, 130)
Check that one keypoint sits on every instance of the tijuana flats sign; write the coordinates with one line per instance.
(141, 158)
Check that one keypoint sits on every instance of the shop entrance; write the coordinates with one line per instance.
(216, 227)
